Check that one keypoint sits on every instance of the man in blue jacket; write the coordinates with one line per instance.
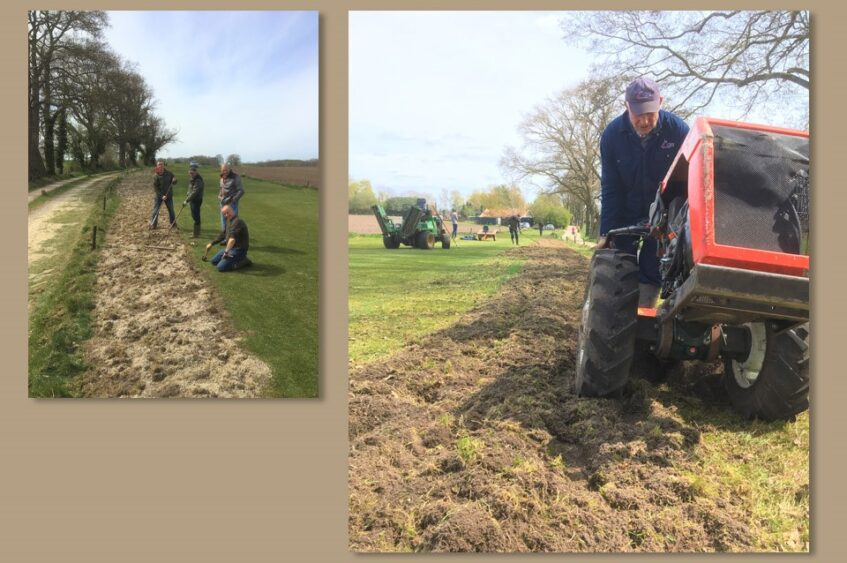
(636, 150)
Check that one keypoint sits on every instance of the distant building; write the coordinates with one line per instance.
(501, 215)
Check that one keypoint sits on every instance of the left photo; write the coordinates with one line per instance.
(173, 204)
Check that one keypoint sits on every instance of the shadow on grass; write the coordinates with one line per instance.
(261, 269)
(276, 249)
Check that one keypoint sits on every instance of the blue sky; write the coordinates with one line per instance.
(229, 82)
(436, 96)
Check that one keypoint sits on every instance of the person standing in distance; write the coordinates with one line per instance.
(515, 228)
(636, 151)
(454, 218)
(195, 195)
(232, 189)
(163, 182)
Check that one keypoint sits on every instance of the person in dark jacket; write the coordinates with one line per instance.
(163, 182)
(195, 195)
(237, 240)
(514, 228)
(636, 151)
(232, 189)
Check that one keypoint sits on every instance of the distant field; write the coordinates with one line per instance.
(294, 175)
(367, 225)
(364, 224)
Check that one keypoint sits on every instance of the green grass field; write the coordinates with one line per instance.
(274, 302)
(405, 294)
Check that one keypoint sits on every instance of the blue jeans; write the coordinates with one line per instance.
(154, 216)
(234, 206)
(236, 255)
(648, 261)
(455, 229)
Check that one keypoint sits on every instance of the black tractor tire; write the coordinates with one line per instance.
(426, 240)
(391, 241)
(445, 242)
(772, 382)
(609, 319)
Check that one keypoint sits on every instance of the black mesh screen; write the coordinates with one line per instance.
(761, 190)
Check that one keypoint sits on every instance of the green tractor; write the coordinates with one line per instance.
(421, 228)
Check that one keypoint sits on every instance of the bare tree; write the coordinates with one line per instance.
(49, 34)
(87, 92)
(152, 137)
(80, 87)
(457, 200)
(61, 140)
(561, 149)
(744, 58)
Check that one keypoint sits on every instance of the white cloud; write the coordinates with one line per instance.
(229, 82)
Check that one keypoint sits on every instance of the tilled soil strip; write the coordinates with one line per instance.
(160, 331)
(472, 440)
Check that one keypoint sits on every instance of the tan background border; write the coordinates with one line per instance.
(266, 480)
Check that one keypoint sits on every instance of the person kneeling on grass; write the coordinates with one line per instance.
(237, 239)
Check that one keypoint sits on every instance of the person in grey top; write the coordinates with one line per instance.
(232, 189)
(454, 218)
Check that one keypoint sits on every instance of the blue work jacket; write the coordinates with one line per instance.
(631, 171)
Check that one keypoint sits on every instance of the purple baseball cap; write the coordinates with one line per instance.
(643, 96)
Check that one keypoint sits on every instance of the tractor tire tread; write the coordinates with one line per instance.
(608, 337)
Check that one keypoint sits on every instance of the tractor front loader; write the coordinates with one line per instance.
(732, 224)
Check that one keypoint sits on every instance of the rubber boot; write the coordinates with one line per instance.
(196, 230)
(647, 295)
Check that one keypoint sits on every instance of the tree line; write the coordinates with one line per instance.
(738, 61)
(742, 61)
(502, 199)
(84, 100)
(361, 197)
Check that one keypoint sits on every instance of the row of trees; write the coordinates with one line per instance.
(734, 61)
(205, 160)
(83, 99)
(361, 196)
(547, 208)
(742, 60)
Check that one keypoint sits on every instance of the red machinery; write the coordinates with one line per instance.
(731, 219)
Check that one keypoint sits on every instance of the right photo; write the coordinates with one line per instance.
(579, 267)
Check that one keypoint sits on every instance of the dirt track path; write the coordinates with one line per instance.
(473, 440)
(35, 194)
(42, 224)
(59, 217)
(159, 330)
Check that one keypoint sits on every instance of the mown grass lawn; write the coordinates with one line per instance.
(274, 302)
(766, 464)
(396, 296)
